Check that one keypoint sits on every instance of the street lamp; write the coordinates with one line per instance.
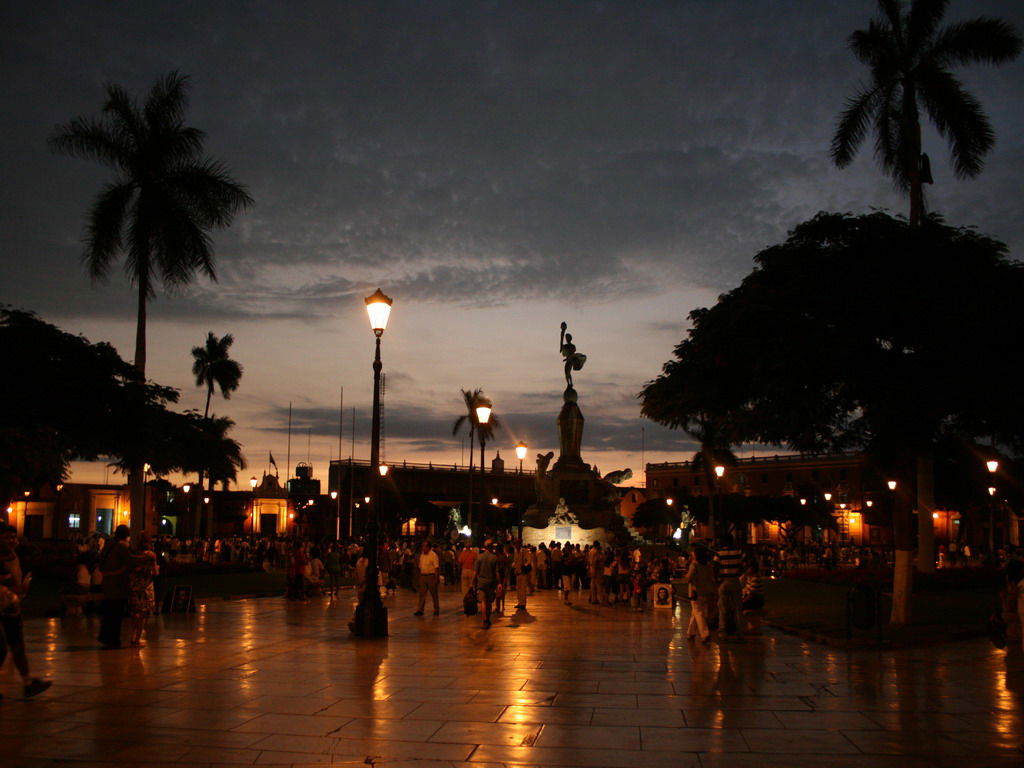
(719, 472)
(521, 448)
(483, 416)
(337, 510)
(892, 485)
(253, 482)
(371, 618)
(993, 465)
(383, 469)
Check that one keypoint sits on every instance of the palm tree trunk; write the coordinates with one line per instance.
(914, 158)
(136, 479)
(199, 507)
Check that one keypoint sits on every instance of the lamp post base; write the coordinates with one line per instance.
(371, 619)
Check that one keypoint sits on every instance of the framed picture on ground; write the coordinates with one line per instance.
(181, 599)
(662, 595)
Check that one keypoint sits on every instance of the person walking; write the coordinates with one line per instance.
(521, 567)
(141, 593)
(332, 564)
(429, 566)
(595, 571)
(13, 588)
(572, 563)
(701, 580)
(114, 563)
(541, 557)
(466, 560)
(730, 561)
(487, 578)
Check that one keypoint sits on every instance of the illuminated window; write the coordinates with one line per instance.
(409, 527)
(74, 520)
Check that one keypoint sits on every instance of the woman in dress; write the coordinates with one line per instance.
(141, 595)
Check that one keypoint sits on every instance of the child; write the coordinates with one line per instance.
(499, 598)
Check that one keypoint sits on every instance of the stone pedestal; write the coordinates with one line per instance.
(592, 501)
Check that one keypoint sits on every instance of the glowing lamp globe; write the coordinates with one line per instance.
(378, 307)
(483, 413)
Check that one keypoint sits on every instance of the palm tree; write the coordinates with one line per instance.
(471, 398)
(213, 368)
(159, 208)
(910, 56)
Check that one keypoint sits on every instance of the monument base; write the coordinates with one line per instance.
(565, 534)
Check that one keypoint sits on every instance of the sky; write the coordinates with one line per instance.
(495, 167)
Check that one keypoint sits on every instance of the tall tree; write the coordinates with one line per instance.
(910, 57)
(161, 205)
(213, 368)
(825, 344)
(471, 398)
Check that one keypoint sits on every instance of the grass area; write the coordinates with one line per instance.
(820, 609)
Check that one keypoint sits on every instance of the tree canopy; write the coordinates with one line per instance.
(73, 400)
(857, 332)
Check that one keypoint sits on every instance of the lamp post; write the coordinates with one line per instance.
(992, 466)
(337, 514)
(521, 448)
(371, 619)
(483, 415)
(719, 472)
(253, 482)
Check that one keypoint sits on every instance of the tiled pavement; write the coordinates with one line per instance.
(264, 682)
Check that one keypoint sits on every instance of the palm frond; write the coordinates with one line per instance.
(852, 126)
(168, 99)
(958, 115)
(922, 21)
(89, 140)
(105, 229)
(984, 40)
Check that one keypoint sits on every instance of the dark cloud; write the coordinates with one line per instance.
(535, 149)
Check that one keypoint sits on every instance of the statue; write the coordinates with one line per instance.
(621, 476)
(574, 360)
(562, 514)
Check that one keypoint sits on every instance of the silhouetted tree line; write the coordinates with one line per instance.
(67, 399)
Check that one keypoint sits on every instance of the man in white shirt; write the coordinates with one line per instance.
(430, 574)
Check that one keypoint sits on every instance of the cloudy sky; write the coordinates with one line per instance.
(495, 167)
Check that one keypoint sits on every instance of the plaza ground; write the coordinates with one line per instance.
(267, 682)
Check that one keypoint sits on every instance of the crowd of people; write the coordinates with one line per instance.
(722, 582)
